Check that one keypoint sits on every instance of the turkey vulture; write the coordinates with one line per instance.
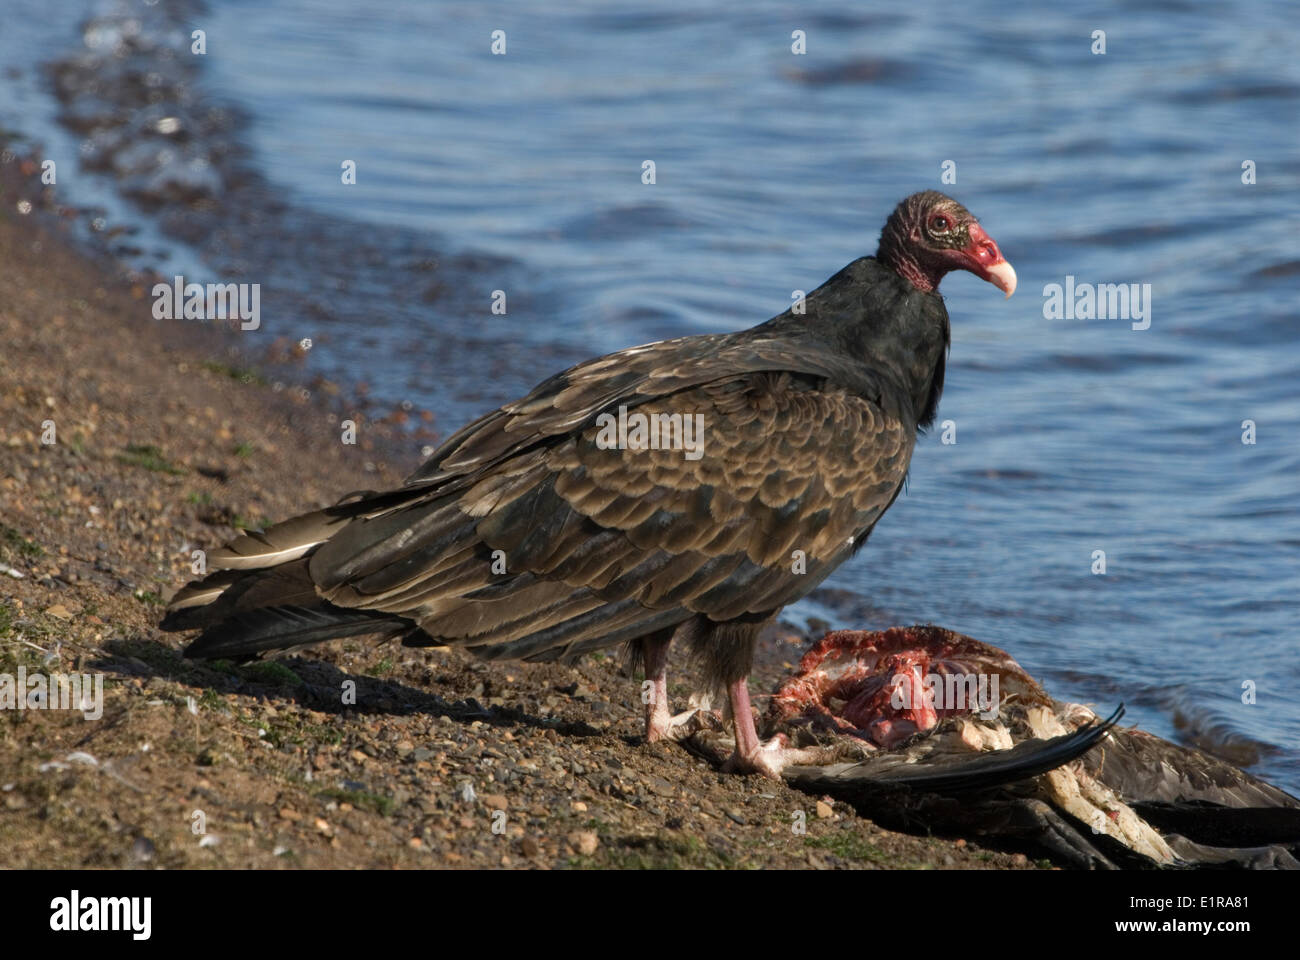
(686, 489)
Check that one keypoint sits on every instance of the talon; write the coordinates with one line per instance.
(682, 726)
(771, 757)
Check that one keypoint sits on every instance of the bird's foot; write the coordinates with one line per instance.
(771, 757)
(661, 725)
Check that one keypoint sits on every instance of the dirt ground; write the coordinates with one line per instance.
(164, 444)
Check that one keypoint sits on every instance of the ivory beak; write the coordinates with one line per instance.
(1003, 276)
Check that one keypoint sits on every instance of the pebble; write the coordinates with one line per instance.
(143, 850)
(661, 787)
(584, 841)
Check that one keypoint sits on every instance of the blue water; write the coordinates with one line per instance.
(774, 170)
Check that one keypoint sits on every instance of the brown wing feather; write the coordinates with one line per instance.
(572, 399)
(788, 464)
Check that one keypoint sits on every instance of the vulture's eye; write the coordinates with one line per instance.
(940, 223)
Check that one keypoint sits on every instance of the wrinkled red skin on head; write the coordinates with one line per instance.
(978, 256)
(846, 682)
(981, 252)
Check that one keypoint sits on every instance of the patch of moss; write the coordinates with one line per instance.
(38, 628)
(14, 654)
(361, 799)
(14, 546)
(668, 851)
(162, 659)
(271, 671)
(264, 730)
(211, 700)
(238, 374)
(319, 733)
(149, 457)
(849, 845)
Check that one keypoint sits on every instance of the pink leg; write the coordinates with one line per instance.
(754, 756)
(747, 745)
(658, 719)
(660, 724)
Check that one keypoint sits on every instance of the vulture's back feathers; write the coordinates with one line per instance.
(525, 535)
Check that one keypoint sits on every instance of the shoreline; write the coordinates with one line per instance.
(162, 446)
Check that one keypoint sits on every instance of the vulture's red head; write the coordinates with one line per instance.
(929, 234)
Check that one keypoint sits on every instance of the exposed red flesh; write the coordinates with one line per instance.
(853, 681)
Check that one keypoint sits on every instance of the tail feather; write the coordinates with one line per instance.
(281, 542)
(203, 603)
(293, 538)
(413, 564)
(261, 596)
(249, 634)
(197, 595)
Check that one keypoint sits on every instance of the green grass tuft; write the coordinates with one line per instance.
(362, 800)
(271, 671)
(848, 845)
(13, 545)
(238, 374)
(149, 457)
